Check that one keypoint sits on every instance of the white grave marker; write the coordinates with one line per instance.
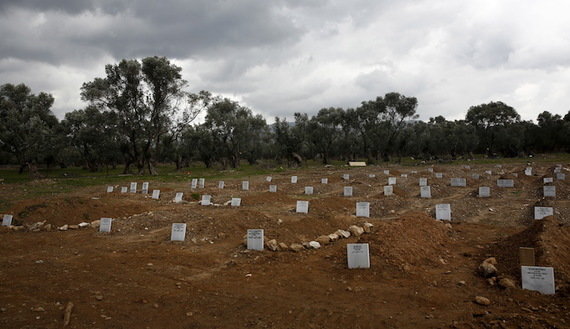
(438, 175)
(109, 189)
(178, 197)
(133, 188)
(178, 232)
(245, 185)
(404, 175)
(7, 220)
(347, 191)
(308, 190)
(273, 188)
(124, 189)
(443, 211)
(236, 202)
(358, 255)
(467, 167)
(386, 172)
(194, 183)
(538, 279)
(255, 239)
(484, 192)
(541, 212)
(388, 190)
(488, 172)
(324, 180)
(528, 171)
(144, 188)
(268, 179)
(515, 174)
(425, 192)
(458, 182)
(423, 181)
(391, 180)
(346, 176)
(371, 176)
(156, 194)
(430, 170)
(505, 183)
(549, 191)
(363, 209)
(221, 185)
(414, 172)
(201, 182)
(557, 170)
(302, 207)
(206, 200)
(293, 179)
(105, 225)
(547, 180)
(475, 176)
(561, 176)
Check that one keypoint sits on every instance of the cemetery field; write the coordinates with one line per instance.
(58, 270)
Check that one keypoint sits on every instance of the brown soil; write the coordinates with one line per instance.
(422, 275)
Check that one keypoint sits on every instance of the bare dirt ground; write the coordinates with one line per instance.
(423, 272)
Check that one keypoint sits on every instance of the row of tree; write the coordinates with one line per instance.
(140, 114)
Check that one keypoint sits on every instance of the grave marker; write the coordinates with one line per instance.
(363, 209)
(404, 175)
(371, 176)
(358, 255)
(414, 172)
(526, 256)
(438, 175)
(105, 224)
(308, 190)
(443, 211)
(109, 189)
(541, 212)
(538, 278)
(156, 194)
(386, 172)
(528, 171)
(255, 239)
(201, 182)
(7, 220)
(245, 185)
(178, 197)
(124, 189)
(430, 170)
(515, 174)
(346, 176)
(423, 181)
(484, 192)
(302, 207)
(467, 167)
(194, 183)
(133, 188)
(273, 188)
(561, 176)
(347, 191)
(324, 180)
(391, 180)
(475, 176)
(236, 202)
(144, 189)
(488, 172)
(505, 183)
(388, 190)
(557, 170)
(425, 192)
(221, 185)
(547, 180)
(549, 191)
(178, 232)
(268, 179)
(206, 200)
(293, 179)
(458, 182)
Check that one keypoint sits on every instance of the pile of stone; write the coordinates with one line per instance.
(488, 270)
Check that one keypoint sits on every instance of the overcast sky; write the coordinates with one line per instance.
(280, 57)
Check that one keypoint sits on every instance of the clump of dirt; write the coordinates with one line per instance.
(412, 240)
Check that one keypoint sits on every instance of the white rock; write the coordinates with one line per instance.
(343, 234)
(83, 224)
(334, 236)
(367, 227)
(314, 245)
(356, 230)
(63, 228)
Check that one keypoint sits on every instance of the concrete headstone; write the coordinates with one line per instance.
(488, 172)
(388, 190)
(236, 202)
(528, 171)
(294, 179)
(221, 184)
(194, 183)
(423, 181)
(475, 176)
(201, 182)
(156, 194)
(7, 220)
(346, 176)
(438, 175)
(133, 188)
(547, 180)
(324, 180)
(484, 192)
(541, 212)
(538, 278)
(308, 190)
(549, 191)
(458, 182)
(363, 209)
(206, 200)
(505, 183)
(358, 255)
(105, 224)
(347, 191)
(178, 232)
(425, 192)
(268, 179)
(273, 188)
(144, 188)
(561, 176)
(443, 211)
(255, 239)
(302, 207)
(124, 189)
(392, 180)
(245, 185)
(178, 197)
(109, 189)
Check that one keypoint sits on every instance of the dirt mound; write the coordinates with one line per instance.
(412, 240)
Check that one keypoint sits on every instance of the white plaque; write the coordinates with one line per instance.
(156, 194)
(505, 183)
(391, 180)
(273, 188)
(144, 188)
(557, 170)
(363, 209)
(475, 176)
(133, 188)
(538, 279)
(371, 176)
(268, 179)
(178, 232)
(549, 191)
(547, 180)
(443, 211)
(425, 191)
(124, 189)
(7, 220)
(324, 180)
(423, 181)
(178, 197)
(236, 202)
(194, 183)
(515, 174)
(346, 176)
(386, 172)
(308, 190)
(488, 172)
(541, 212)
(302, 207)
(293, 179)
(414, 172)
(430, 170)
(201, 182)
(347, 191)
(388, 190)
(221, 184)
(404, 175)
(460, 182)
(255, 239)
(109, 189)
(358, 255)
(528, 171)
(206, 200)
(561, 176)
(245, 185)
(438, 175)
(105, 225)
(484, 191)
